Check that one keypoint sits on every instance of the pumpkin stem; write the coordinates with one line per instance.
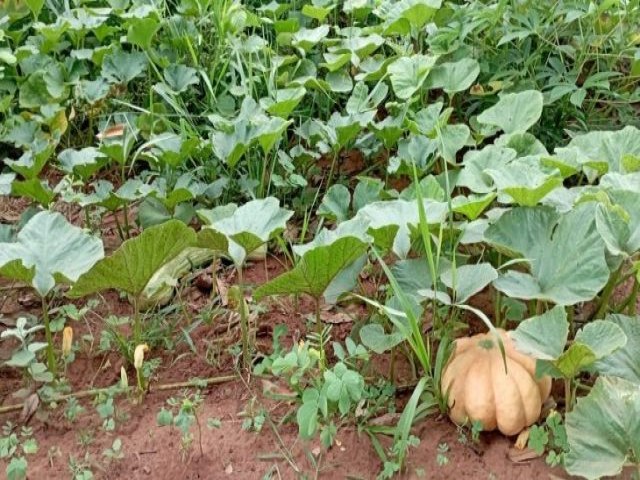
(486, 344)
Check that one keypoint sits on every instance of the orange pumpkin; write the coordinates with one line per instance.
(479, 388)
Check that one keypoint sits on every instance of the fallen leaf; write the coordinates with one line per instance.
(386, 420)
(223, 290)
(521, 456)
(335, 318)
(229, 469)
(29, 407)
(111, 132)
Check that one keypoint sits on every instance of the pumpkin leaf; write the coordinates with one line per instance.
(473, 205)
(574, 360)
(525, 183)
(602, 337)
(623, 362)
(335, 203)
(316, 270)
(604, 151)
(248, 227)
(389, 222)
(467, 280)
(603, 429)
(565, 252)
(375, 338)
(454, 77)
(122, 67)
(180, 77)
(619, 223)
(49, 250)
(284, 101)
(544, 336)
(514, 112)
(408, 74)
(137, 260)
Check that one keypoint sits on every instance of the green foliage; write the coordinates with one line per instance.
(135, 263)
(603, 431)
(515, 122)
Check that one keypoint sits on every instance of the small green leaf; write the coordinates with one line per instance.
(164, 418)
(375, 338)
(17, 469)
(335, 203)
(575, 359)
(142, 30)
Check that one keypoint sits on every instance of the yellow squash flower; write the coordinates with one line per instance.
(138, 355)
(67, 340)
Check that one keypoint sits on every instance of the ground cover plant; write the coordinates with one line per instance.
(289, 239)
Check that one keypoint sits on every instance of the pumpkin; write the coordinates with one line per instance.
(479, 388)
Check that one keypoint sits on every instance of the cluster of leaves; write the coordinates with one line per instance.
(493, 109)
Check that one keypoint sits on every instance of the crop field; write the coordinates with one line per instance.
(319, 239)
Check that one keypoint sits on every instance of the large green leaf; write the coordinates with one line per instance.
(307, 38)
(389, 222)
(409, 73)
(603, 430)
(625, 361)
(250, 226)
(524, 182)
(605, 151)
(514, 112)
(283, 101)
(180, 77)
(122, 67)
(454, 77)
(49, 250)
(335, 203)
(31, 162)
(602, 337)
(565, 252)
(473, 205)
(406, 16)
(137, 260)
(476, 163)
(317, 268)
(543, 336)
(84, 162)
(619, 223)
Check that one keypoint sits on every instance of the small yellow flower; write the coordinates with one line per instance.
(138, 355)
(124, 379)
(67, 340)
